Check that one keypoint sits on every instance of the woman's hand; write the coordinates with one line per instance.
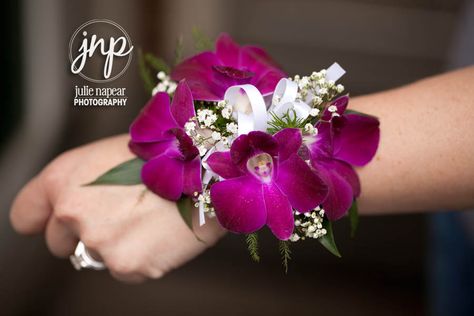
(136, 233)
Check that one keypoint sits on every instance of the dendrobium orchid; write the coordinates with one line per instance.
(209, 74)
(265, 180)
(173, 164)
(344, 140)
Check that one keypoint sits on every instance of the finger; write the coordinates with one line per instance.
(60, 239)
(31, 208)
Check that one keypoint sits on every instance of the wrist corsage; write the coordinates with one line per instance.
(228, 134)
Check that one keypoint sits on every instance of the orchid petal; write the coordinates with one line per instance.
(340, 196)
(199, 75)
(147, 151)
(221, 163)
(227, 50)
(341, 105)
(192, 176)
(182, 106)
(289, 142)
(356, 140)
(163, 175)
(279, 212)
(347, 172)
(154, 120)
(303, 187)
(239, 204)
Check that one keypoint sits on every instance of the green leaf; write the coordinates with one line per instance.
(328, 240)
(252, 245)
(158, 64)
(145, 73)
(185, 208)
(127, 173)
(201, 41)
(354, 218)
(285, 252)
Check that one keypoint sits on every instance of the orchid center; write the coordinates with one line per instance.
(261, 167)
(233, 73)
(185, 144)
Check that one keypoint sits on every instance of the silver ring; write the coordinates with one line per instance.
(82, 259)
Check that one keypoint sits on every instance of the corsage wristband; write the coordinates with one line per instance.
(228, 132)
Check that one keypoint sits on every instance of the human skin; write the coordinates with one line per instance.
(424, 163)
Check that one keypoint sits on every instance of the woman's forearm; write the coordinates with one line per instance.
(425, 161)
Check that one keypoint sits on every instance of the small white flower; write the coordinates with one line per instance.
(189, 127)
(332, 108)
(317, 100)
(294, 237)
(232, 128)
(161, 75)
(314, 112)
(226, 112)
(221, 104)
(323, 91)
(172, 88)
(310, 129)
(335, 114)
(340, 88)
(216, 135)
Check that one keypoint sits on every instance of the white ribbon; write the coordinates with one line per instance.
(284, 97)
(249, 107)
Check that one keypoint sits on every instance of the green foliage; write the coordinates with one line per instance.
(149, 65)
(185, 209)
(288, 120)
(127, 173)
(252, 245)
(145, 73)
(285, 252)
(354, 218)
(328, 240)
(201, 41)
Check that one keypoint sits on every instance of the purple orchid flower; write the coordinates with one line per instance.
(209, 74)
(343, 141)
(265, 179)
(173, 164)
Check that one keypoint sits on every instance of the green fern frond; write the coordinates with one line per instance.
(252, 244)
(285, 252)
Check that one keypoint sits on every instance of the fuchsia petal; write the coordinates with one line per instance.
(279, 212)
(239, 204)
(163, 175)
(182, 106)
(303, 187)
(341, 105)
(254, 142)
(192, 176)
(154, 120)
(199, 75)
(254, 54)
(147, 151)
(348, 173)
(289, 142)
(227, 50)
(340, 195)
(356, 139)
(221, 163)
(321, 144)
